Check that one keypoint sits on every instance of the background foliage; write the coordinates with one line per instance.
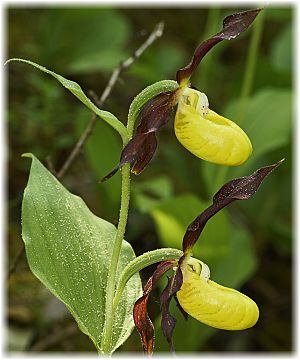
(248, 246)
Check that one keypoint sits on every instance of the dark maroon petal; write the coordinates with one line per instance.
(141, 318)
(145, 154)
(129, 154)
(195, 228)
(156, 112)
(112, 173)
(233, 25)
(238, 189)
(244, 187)
(144, 324)
(183, 312)
(168, 321)
(132, 152)
(141, 148)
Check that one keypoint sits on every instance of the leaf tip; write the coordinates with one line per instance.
(108, 176)
(27, 155)
(274, 166)
(11, 60)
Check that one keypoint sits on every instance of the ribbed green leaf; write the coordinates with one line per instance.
(69, 249)
(76, 90)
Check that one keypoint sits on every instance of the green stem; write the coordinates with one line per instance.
(111, 280)
(144, 96)
(139, 263)
(250, 65)
(135, 108)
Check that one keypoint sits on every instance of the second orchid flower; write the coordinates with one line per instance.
(198, 296)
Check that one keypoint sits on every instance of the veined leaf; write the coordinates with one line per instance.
(76, 90)
(69, 249)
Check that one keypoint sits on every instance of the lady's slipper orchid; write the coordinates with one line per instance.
(197, 295)
(200, 130)
(212, 304)
(208, 135)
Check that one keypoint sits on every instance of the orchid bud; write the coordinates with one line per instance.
(213, 304)
(206, 134)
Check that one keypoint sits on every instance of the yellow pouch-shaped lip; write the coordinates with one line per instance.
(208, 135)
(213, 304)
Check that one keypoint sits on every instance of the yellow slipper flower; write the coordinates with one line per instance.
(200, 130)
(208, 135)
(212, 304)
(198, 296)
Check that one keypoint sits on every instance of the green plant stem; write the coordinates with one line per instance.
(135, 108)
(111, 280)
(139, 263)
(144, 96)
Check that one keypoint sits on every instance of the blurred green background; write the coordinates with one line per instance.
(247, 246)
